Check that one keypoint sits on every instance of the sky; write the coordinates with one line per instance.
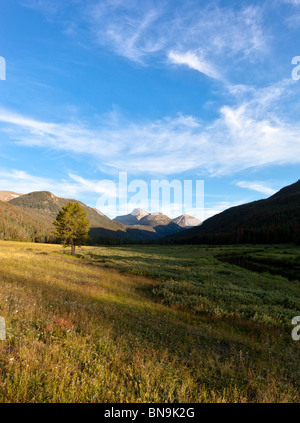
(162, 90)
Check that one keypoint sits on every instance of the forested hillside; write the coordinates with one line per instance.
(17, 224)
(274, 220)
(47, 205)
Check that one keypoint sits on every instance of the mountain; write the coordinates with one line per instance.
(138, 226)
(186, 221)
(132, 218)
(8, 195)
(47, 205)
(273, 220)
(156, 224)
(19, 225)
(162, 224)
(155, 219)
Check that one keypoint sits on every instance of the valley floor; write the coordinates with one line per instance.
(146, 324)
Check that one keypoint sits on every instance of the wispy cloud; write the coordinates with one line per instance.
(125, 29)
(249, 134)
(193, 61)
(69, 136)
(155, 31)
(256, 186)
(73, 186)
(186, 35)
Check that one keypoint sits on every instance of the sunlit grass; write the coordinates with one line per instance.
(99, 329)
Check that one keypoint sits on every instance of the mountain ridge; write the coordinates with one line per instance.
(275, 219)
(142, 217)
(45, 206)
(272, 220)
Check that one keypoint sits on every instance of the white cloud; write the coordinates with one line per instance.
(70, 136)
(127, 28)
(74, 186)
(149, 30)
(256, 186)
(138, 29)
(250, 134)
(193, 61)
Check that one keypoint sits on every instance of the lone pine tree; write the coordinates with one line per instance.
(72, 226)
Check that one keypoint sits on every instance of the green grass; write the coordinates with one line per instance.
(144, 324)
(195, 280)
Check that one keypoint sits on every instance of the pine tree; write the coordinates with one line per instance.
(72, 226)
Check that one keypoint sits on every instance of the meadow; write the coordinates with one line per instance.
(146, 324)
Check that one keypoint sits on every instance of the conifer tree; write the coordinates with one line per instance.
(72, 226)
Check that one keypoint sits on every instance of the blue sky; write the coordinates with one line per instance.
(159, 89)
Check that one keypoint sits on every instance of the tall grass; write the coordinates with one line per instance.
(79, 330)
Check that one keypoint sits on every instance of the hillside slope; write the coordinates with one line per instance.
(17, 224)
(273, 220)
(47, 205)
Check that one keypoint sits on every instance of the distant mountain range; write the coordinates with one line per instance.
(42, 207)
(273, 220)
(158, 220)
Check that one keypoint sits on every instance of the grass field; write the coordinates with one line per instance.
(146, 324)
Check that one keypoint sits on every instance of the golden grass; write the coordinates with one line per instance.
(79, 332)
